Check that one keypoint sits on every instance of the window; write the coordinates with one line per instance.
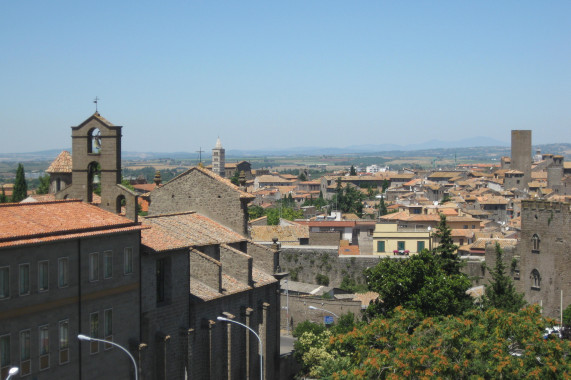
(24, 284)
(380, 246)
(64, 342)
(62, 272)
(535, 243)
(535, 279)
(128, 260)
(400, 245)
(94, 331)
(160, 276)
(419, 246)
(108, 327)
(108, 264)
(94, 266)
(5, 352)
(44, 347)
(43, 276)
(465, 226)
(25, 344)
(4, 282)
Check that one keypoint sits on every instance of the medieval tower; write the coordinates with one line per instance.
(521, 155)
(218, 159)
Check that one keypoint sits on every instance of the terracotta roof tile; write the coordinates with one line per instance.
(62, 163)
(41, 221)
(175, 231)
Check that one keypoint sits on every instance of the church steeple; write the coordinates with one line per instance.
(219, 159)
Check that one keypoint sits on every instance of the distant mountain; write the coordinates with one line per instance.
(429, 147)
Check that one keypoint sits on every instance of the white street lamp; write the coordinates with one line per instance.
(327, 311)
(12, 371)
(257, 336)
(90, 339)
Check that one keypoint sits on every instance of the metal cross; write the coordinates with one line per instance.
(95, 101)
(199, 151)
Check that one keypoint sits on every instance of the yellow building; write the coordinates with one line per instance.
(390, 238)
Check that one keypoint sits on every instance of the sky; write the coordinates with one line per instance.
(271, 75)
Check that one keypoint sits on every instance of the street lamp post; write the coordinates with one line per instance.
(257, 336)
(90, 339)
(12, 371)
(327, 311)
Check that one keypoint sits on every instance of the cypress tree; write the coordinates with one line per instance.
(446, 247)
(500, 293)
(20, 186)
(3, 196)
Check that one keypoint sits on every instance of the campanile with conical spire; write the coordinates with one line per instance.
(219, 159)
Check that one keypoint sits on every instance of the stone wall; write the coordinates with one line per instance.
(200, 192)
(209, 342)
(162, 322)
(265, 258)
(206, 269)
(305, 262)
(551, 222)
(236, 264)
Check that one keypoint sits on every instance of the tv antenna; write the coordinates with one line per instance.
(96, 100)
(199, 151)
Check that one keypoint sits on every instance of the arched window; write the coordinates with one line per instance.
(94, 141)
(120, 203)
(535, 243)
(535, 279)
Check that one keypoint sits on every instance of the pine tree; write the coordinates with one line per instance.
(446, 247)
(20, 186)
(353, 171)
(500, 293)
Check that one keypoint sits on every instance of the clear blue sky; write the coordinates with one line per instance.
(268, 74)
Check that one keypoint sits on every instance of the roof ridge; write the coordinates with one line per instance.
(13, 204)
(169, 214)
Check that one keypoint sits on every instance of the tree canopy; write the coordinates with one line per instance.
(348, 199)
(418, 283)
(481, 344)
(44, 186)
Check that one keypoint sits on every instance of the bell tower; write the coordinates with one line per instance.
(219, 159)
(96, 162)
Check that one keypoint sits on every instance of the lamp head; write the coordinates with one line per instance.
(222, 319)
(84, 337)
(313, 308)
(13, 371)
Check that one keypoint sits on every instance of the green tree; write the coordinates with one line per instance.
(287, 213)
(20, 186)
(419, 283)
(302, 176)
(446, 247)
(382, 207)
(44, 186)
(567, 316)
(3, 198)
(352, 171)
(235, 179)
(500, 293)
(255, 212)
(348, 199)
(488, 344)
